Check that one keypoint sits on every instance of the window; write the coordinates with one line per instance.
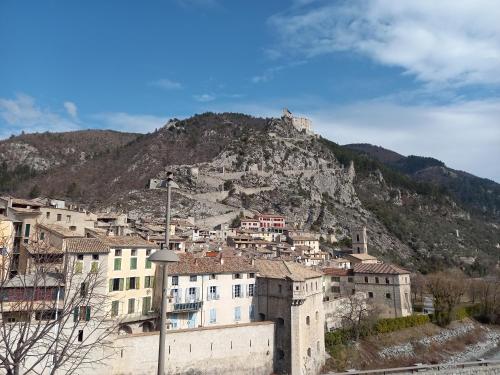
(388, 295)
(148, 252)
(47, 215)
(237, 276)
(251, 275)
(81, 313)
(335, 289)
(146, 305)
(213, 276)
(193, 278)
(118, 264)
(387, 281)
(133, 263)
(357, 237)
(370, 294)
(251, 290)
(80, 335)
(317, 346)
(175, 280)
(115, 285)
(308, 320)
(94, 267)
(72, 228)
(114, 308)
(78, 267)
(133, 252)
(59, 217)
(251, 312)
(237, 291)
(95, 256)
(42, 235)
(366, 279)
(148, 282)
(132, 283)
(212, 293)
(376, 280)
(350, 279)
(237, 314)
(131, 305)
(192, 295)
(317, 315)
(148, 264)
(335, 279)
(280, 288)
(84, 289)
(79, 257)
(308, 352)
(213, 316)
(118, 252)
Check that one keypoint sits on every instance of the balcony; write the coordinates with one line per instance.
(184, 307)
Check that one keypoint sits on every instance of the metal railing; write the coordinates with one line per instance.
(423, 368)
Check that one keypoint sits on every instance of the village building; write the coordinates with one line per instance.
(211, 291)
(386, 286)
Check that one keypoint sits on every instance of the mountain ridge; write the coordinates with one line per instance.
(266, 164)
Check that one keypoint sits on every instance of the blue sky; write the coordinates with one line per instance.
(409, 76)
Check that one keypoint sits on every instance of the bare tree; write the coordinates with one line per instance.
(356, 313)
(53, 321)
(418, 282)
(447, 289)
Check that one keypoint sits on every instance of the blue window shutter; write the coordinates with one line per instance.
(237, 313)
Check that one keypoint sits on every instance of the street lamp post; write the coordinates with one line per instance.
(163, 257)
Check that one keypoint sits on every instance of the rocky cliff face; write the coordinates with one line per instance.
(229, 163)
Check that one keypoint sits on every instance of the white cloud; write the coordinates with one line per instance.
(465, 135)
(139, 123)
(167, 84)
(72, 109)
(444, 42)
(204, 98)
(23, 114)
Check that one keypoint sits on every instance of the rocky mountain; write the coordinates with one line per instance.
(230, 163)
(27, 155)
(477, 194)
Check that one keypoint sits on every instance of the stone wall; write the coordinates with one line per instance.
(236, 349)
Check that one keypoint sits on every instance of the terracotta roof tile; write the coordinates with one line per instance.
(86, 245)
(127, 241)
(280, 269)
(189, 265)
(379, 268)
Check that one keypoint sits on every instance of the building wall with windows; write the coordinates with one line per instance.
(131, 279)
(391, 293)
(205, 300)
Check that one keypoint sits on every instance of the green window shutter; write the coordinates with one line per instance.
(114, 308)
(75, 314)
(128, 283)
(121, 284)
(111, 285)
(27, 230)
(94, 267)
(79, 267)
(133, 263)
(148, 264)
(87, 313)
(118, 264)
(137, 283)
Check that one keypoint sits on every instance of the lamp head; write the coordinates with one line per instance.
(164, 257)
